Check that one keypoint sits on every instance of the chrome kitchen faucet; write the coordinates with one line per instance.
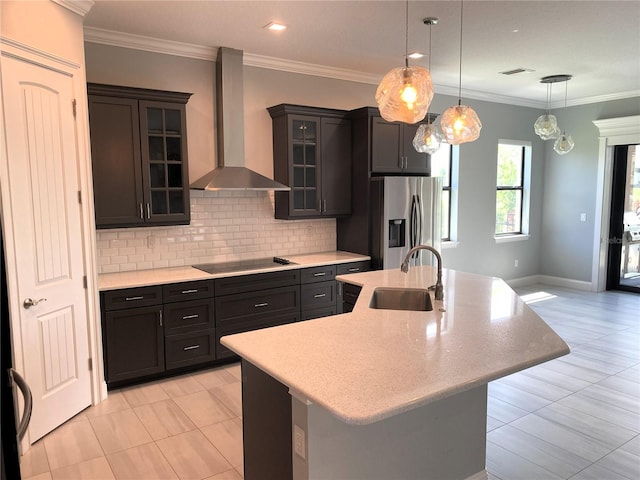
(438, 287)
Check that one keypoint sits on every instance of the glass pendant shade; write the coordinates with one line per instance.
(427, 139)
(546, 127)
(404, 94)
(563, 144)
(460, 124)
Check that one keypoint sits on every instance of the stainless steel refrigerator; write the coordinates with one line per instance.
(404, 212)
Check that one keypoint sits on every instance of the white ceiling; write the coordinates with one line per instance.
(598, 42)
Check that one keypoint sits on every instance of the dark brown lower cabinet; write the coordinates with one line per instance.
(134, 343)
(158, 330)
(148, 331)
(255, 301)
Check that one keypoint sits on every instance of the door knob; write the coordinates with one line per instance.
(30, 302)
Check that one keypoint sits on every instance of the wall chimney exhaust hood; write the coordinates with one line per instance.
(231, 173)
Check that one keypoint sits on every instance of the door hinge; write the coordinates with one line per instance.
(84, 282)
(74, 103)
(79, 197)
(90, 364)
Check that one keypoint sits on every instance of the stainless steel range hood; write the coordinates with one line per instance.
(231, 173)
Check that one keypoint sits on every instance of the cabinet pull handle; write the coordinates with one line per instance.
(160, 317)
(128, 299)
(263, 304)
(188, 317)
(319, 295)
(190, 291)
(148, 210)
(191, 347)
(320, 274)
(324, 206)
(355, 269)
(141, 213)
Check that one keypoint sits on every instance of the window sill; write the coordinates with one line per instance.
(511, 238)
(449, 244)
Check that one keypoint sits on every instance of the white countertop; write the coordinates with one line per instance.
(371, 364)
(160, 276)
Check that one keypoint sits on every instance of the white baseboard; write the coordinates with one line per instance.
(481, 475)
(550, 280)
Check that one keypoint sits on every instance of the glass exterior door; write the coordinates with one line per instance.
(624, 237)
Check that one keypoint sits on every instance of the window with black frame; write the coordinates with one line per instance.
(510, 188)
(441, 166)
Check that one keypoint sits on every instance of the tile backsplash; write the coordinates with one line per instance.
(225, 226)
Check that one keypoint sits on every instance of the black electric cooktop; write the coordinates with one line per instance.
(242, 265)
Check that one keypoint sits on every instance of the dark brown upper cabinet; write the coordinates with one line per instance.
(139, 156)
(312, 155)
(389, 145)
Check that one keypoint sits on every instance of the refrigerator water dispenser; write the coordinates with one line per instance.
(396, 232)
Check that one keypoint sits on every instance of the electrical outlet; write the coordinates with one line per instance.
(515, 263)
(299, 442)
(583, 217)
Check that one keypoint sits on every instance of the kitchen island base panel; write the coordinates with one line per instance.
(442, 440)
(445, 439)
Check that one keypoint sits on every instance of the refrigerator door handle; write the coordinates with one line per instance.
(412, 223)
(28, 402)
(420, 215)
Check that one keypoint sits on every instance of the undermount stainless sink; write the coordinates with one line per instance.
(416, 299)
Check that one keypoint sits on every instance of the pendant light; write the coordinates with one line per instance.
(460, 123)
(405, 93)
(428, 136)
(546, 126)
(564, 143)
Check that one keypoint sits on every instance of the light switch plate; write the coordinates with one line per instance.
(299, 442)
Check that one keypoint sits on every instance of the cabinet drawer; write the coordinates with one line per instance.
(318, 274)
(353, 267)
(179, 292)
(189, 348)
(317, 295)
(242, 307)
(183, 317)
(318, 313)
(255, 324)
(257, 281)
(132, 297)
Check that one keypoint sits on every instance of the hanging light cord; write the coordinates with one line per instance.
(460, 73)
(548, 96)
(406, 36)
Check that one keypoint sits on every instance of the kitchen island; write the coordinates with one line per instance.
(386, 393)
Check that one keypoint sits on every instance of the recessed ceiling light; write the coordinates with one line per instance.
(275, 26)
(416, 55)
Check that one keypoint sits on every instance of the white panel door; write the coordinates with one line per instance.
(43, 182)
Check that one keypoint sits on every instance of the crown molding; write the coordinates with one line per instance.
(272, 63)
(596, 99)
(168, 47)
(610, 127)
(148, 44)
(81, 7)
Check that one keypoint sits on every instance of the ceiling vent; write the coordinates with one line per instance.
(517, 70)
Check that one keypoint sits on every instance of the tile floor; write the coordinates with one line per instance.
(576, 417)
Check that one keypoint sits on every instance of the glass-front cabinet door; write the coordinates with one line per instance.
(305, 175)
(164, 157)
